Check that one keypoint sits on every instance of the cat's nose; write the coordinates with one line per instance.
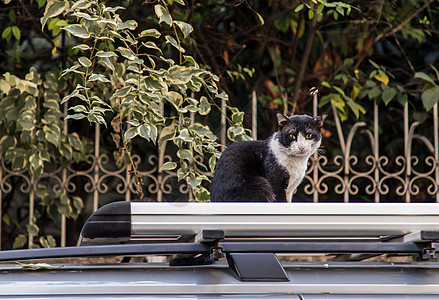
(301, 148)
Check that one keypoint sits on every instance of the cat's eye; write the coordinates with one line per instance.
(292, 136)
(309, 136)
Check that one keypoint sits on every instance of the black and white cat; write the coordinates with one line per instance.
(268, 170)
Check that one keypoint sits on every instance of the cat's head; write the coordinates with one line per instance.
(300, 135)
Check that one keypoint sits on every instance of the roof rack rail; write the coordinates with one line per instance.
(251, 234)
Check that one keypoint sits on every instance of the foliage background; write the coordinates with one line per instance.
(356, 53)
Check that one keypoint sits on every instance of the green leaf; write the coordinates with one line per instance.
(50, 135)
(261, 19)
(299, 7)
(44, 242)
(7, 33)
(7, 142)
(75, 142)
(78, 203)
(26, 123)
(41, 191)
(32, 229)
(201, 194)
(19, 241)
(51, 241)
(163, 14)
(374, 92)
(167, 166)
(430, 97)
(78, 31)
(51, 11)
(16, 32)
(36, 165)
(18, 162)
(66, 151)
(64, 199)
(424, 77)
(388, 94)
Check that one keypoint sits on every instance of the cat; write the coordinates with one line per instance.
(268, 170)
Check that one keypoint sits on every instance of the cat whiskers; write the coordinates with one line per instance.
(321, 151)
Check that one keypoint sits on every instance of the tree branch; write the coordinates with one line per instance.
(400, 26)
(305, 58)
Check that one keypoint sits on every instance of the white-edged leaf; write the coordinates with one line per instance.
(185, 28)
(113, 9)
(78, 31)
(163, 14)
(173, 42)
(130, 24)
(75, 116)
(150, 32)
(51, 11)
(131, 133)
(107, 62)
(82, 47)
(167, 166)
(152, 45)
(123, 92)
(125, 52)
(98, 77)
(106, 54)
(84, 61)
(78, 109)
(204, 106)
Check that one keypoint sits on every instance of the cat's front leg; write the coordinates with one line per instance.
(279, 194)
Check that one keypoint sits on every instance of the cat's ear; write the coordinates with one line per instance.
(282, 120)
(320, 119)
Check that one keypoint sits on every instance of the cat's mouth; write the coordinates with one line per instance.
(302, 153)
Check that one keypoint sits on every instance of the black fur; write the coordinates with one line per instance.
(249, 171)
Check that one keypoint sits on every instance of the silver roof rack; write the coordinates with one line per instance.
(139, 222)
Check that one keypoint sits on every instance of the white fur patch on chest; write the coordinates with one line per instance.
(296, 166)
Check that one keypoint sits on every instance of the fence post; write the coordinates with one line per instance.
(96, 168)
(376, 150)
(407, 152)
(436, 147)
(223, 125)
(254, 116)
(315, 194)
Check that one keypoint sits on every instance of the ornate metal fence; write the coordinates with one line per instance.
(346, 177)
